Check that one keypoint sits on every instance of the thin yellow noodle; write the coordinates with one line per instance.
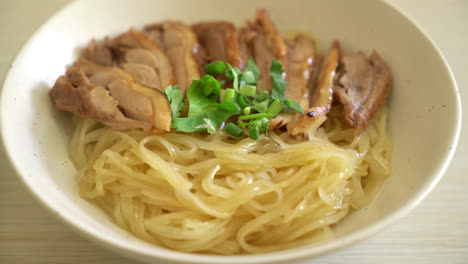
(212, 194)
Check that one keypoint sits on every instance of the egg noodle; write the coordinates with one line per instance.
(217, 195)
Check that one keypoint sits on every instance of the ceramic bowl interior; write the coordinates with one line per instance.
(425, 110)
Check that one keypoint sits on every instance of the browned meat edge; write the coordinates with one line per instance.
(219, 41)
(111, 96)
(180, 45)
(137, 54)
(363, 87)
(321, 93)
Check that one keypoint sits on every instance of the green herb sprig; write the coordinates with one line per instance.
(211, 105)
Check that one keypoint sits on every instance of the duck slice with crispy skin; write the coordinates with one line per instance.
(363, 87)
(321, 92)
(300, 71)
(219, 41)
(180, 45)
(137, 54)
(112, 96)
(265, 44)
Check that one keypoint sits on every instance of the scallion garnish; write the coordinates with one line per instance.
(275, 107)
(233, 130)
(253, 131)
(229, 95)
(262, 124)
(233, 75)
(210, 106)
(261, 107)
(246, 110)
(243, 101)
(257, 115)
(247, 90)
(262, 95)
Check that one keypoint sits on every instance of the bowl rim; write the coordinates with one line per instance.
(273, 257)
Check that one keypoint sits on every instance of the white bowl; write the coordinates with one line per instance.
(425, 109)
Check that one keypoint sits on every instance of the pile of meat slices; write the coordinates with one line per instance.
(120, 81)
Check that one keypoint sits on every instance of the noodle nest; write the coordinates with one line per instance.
(213, 194)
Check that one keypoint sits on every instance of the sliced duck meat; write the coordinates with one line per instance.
(74, 93)
(265, 45)
(244, 38)
(299, 75)
(99, 53)
(322, 91)
(300, 70)
(321, 94)
(363, 88)
(180, 45)
(219, 40)
(111, 96)
(137, 54)
(144, 74)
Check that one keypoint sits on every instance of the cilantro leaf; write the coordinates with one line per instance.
(198, 102)
(255, 109)
(216, 115)
(215, 67)
(188, 124)
(176, 99)
(252, 67)
(208, 125)
(222, 112)
(279, 85)
(204, 108)
(290, 103)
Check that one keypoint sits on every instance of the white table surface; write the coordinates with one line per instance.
(435, 232)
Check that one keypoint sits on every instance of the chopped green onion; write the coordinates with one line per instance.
(275, 107)
(242, 124)
(243, 101)
(234, 130)
(262, 123)
(210, 106)
(262, 95)
(222, 93)
(248, 77)
(261, 107)
(215, 67)
(248, 90)
(232, 72)
(229, 95)
(210, 86)
(255, 116)
(253, 131)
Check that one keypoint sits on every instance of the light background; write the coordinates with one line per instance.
(435, 232)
